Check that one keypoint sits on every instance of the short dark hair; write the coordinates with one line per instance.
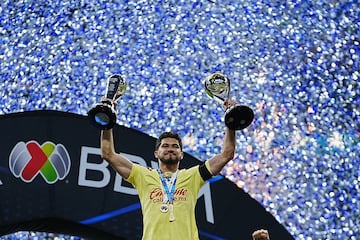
(168, 135)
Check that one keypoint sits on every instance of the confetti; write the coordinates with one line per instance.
(296, 63)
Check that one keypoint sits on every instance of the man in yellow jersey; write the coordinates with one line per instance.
(168, 195)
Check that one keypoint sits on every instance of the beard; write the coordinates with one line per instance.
(170, 160)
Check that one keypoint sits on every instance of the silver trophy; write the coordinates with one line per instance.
(238, 117)
(103, 114)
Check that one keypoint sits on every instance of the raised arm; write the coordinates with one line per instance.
(218, 162)
(228, 149)
(121, 164)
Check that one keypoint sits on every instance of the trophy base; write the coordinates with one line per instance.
(238, 117)
(102, 116)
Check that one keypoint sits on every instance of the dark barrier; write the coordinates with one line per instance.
(52, 178)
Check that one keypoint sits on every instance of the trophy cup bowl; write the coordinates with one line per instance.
(103, 115)
(238, 117)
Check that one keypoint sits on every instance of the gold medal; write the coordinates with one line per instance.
(164, 208)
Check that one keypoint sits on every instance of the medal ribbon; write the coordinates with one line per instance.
(168, 190)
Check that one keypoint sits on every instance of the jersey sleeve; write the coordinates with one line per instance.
(136, 175)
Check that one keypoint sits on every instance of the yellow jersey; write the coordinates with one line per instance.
(156, 224)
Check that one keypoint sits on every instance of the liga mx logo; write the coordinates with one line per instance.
(51, 160)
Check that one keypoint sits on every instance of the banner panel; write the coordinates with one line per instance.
(52, 178)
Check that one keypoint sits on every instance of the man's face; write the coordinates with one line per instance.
(169, 151)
